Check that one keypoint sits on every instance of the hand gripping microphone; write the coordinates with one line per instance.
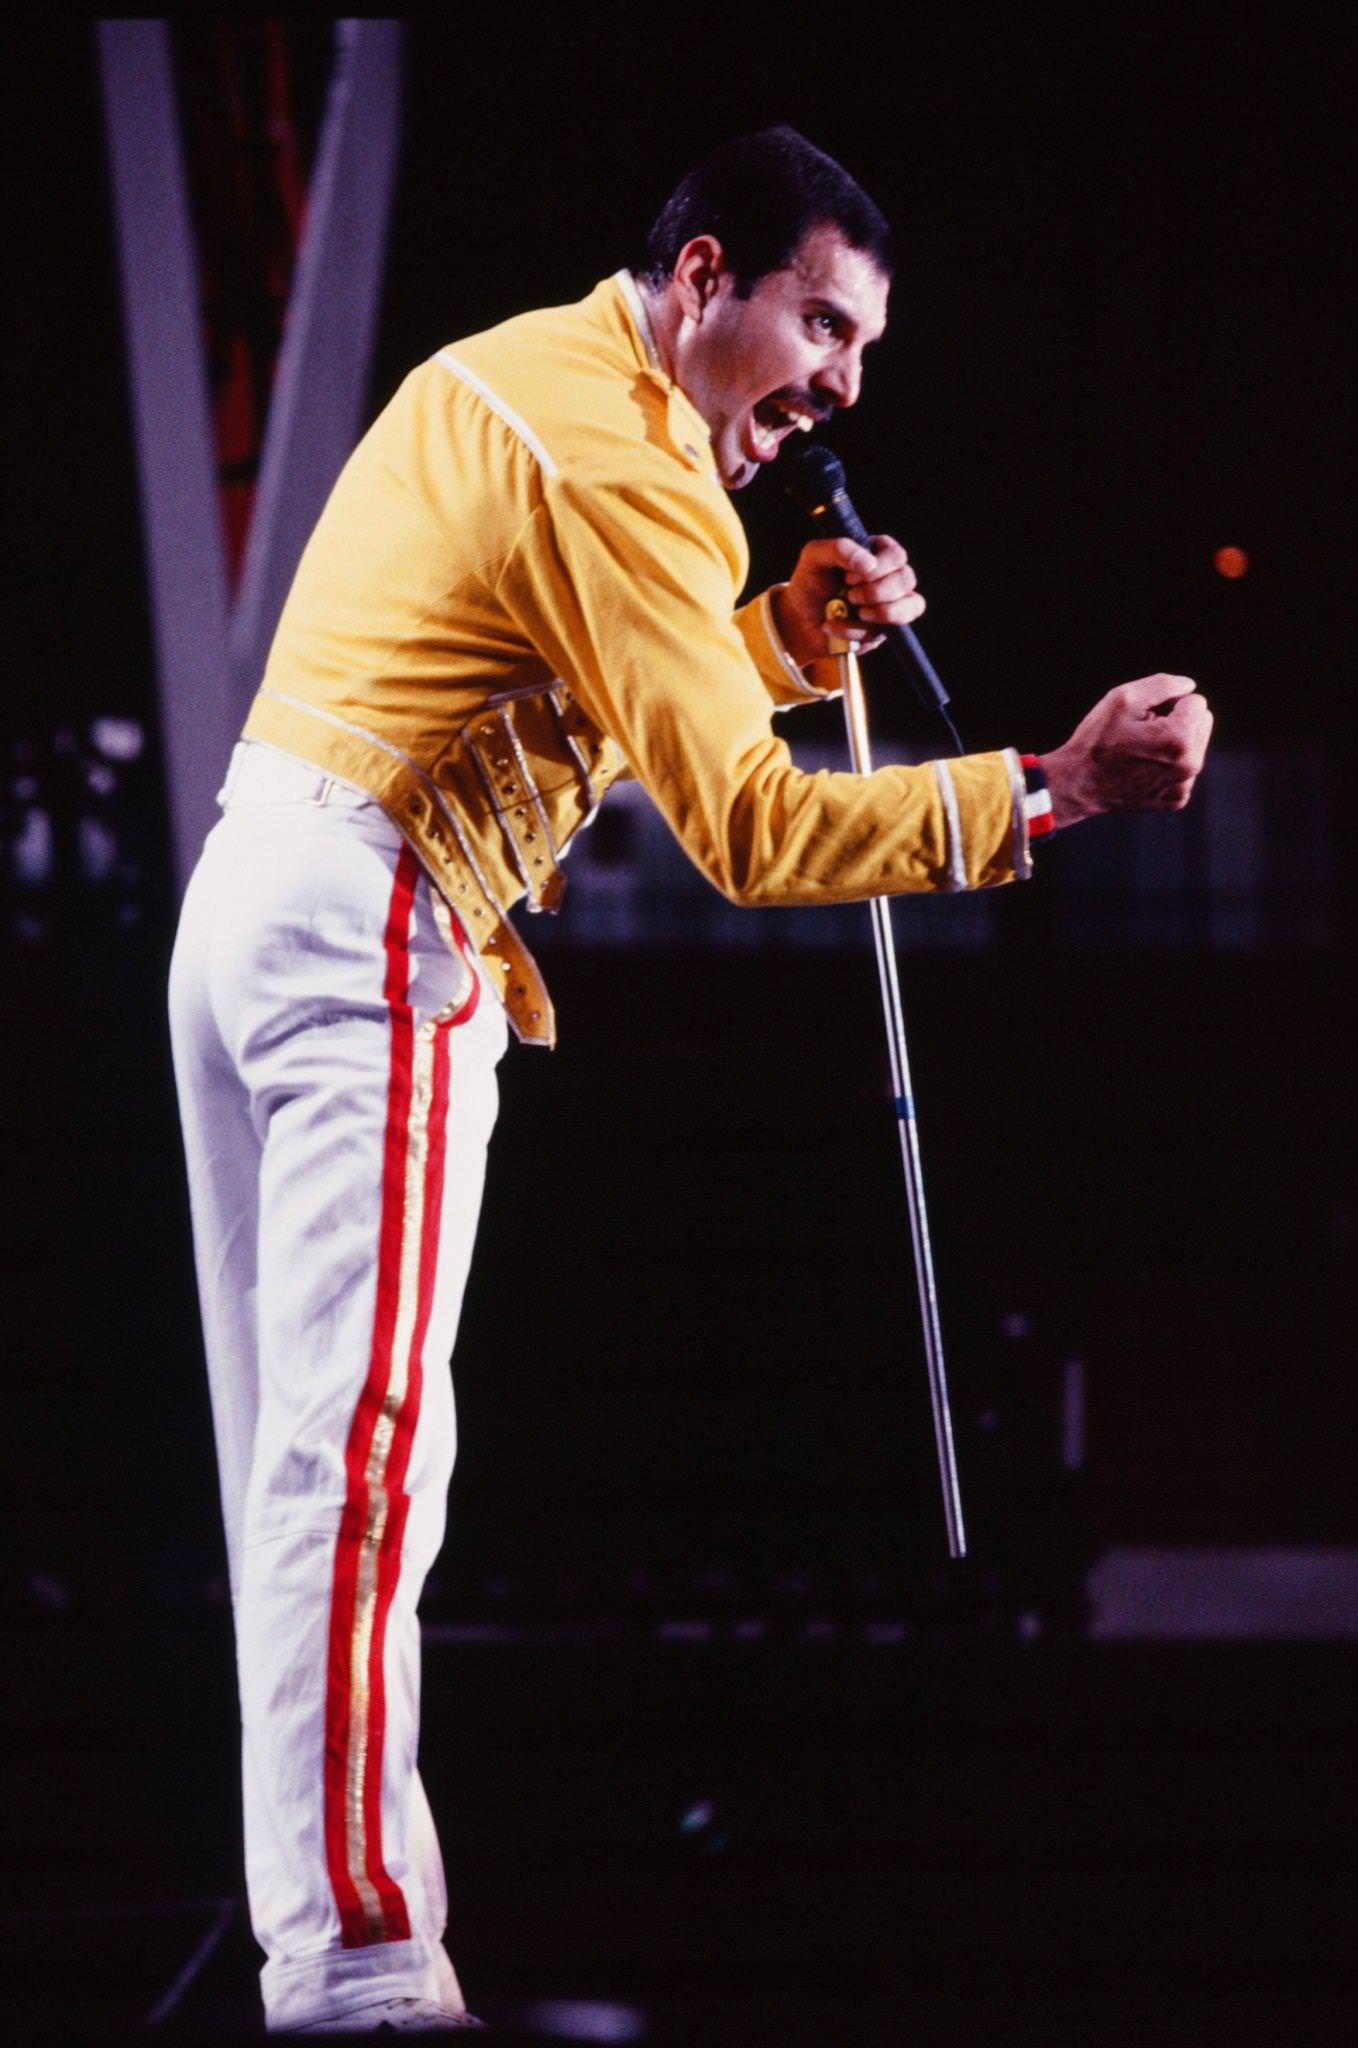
(813, 477)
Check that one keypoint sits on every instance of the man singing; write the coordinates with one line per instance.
(524, 585)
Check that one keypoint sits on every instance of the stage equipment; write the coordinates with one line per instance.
(818, 467)
(814, 479)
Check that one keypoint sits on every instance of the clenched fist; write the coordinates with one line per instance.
(1140, 749)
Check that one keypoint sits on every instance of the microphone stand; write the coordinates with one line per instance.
(860, 753)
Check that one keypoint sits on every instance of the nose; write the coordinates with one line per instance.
(841, 381)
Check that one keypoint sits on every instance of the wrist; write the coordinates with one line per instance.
(803, 639)
(1066, 788)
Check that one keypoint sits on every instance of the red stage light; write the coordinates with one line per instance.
(1230, 562)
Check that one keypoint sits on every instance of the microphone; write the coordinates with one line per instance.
(813, 477)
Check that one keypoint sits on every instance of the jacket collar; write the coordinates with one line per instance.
(634, 318)
(641, 319)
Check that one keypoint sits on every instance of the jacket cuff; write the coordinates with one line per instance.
(1018, 787)
(985, 831)
(786, 682)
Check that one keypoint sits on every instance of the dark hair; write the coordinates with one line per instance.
(761, 195)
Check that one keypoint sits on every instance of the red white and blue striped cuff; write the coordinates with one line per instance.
(1037, 798)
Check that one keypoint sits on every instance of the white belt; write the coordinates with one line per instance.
(260, 774)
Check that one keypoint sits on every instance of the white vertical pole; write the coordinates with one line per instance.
(176, 459)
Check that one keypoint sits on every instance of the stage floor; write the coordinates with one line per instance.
(687, 1839)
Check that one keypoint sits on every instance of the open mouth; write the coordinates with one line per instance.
(771, 421)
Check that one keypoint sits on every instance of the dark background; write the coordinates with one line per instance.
(688, 1378)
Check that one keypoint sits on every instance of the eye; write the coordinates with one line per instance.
(824, 323)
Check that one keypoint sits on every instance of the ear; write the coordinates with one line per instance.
(697, 276)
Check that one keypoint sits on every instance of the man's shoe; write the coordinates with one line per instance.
(397, 2016)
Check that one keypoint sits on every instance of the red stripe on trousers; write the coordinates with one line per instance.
(389, 1559)
(355, 1931)
(403, 1437)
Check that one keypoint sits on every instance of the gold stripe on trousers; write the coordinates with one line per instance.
(379, 1458)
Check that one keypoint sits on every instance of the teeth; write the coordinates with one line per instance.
(804, 421)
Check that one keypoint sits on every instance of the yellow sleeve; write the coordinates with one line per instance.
(626, 588)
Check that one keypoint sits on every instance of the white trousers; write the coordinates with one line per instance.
(335, 1049)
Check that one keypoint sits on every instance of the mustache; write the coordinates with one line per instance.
(802, 400)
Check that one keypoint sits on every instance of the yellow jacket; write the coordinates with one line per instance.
(523, 586)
